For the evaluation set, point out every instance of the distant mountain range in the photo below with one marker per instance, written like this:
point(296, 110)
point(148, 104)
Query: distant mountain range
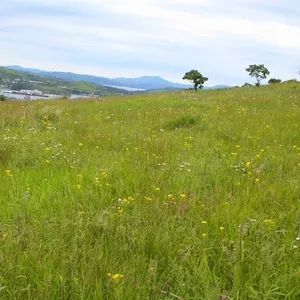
point(141, 83)
point(144, 82)
point(25, 80)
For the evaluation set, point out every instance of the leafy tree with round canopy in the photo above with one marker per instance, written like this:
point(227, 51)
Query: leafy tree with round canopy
point(260, 72)
point(196, 78)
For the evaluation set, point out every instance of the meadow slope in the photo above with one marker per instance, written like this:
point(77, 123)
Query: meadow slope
point(168, 196)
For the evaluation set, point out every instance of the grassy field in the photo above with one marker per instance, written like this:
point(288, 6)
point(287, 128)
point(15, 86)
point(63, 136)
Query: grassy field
point(168, 196)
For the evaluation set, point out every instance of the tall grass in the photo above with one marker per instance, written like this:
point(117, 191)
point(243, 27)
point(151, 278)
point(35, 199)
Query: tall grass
point(166, 196)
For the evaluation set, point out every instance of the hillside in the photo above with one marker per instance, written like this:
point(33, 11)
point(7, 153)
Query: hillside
point(190, 194)
point(144, 82)
point(18, 80)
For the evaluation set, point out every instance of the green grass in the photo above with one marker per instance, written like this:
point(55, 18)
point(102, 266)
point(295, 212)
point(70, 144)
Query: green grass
point(164, 196)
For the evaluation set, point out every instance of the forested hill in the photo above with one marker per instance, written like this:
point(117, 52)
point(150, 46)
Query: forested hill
point(17, 80)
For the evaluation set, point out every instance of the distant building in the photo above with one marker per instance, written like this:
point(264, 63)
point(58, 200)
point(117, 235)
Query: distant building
point(36, 82)
point(32, 92)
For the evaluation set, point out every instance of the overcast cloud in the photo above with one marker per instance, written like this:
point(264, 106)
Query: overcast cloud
point(132, 38)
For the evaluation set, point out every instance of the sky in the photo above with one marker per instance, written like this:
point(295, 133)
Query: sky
point(132, 38)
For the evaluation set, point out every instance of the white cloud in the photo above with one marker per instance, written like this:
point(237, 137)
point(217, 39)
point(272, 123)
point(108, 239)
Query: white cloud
point(160, 37)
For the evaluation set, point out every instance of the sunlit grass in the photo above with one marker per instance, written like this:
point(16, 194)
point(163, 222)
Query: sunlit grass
point(176, 195)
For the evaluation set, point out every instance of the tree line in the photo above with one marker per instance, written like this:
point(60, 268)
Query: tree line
point(259, 72)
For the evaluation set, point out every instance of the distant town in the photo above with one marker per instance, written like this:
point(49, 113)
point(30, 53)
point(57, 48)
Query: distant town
point(36, 94)
point(26, 94)
point(23, 85)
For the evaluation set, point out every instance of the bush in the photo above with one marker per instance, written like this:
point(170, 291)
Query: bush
point(291, 81)
point(2, 98)
point(247, 84)
point(274, 81)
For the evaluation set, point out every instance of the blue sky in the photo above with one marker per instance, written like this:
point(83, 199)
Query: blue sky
point(131, 38)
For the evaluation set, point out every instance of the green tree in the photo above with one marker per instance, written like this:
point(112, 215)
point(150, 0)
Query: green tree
point(196, 78)
point(274, 80)
point(16, 86)
point(2, 98)
point(260, 72)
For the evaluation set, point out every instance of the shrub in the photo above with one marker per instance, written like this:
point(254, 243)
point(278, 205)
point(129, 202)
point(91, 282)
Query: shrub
point(247, 84)
point(291, 81)
point(274, 80)
point(2, 98)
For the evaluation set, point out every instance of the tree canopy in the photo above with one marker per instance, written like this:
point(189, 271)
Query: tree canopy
point(260, 72)
point(274, 80)
point(196, 78)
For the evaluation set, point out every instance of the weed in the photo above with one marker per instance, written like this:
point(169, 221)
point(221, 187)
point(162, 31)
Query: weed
point(182, 122)
point(105, 199)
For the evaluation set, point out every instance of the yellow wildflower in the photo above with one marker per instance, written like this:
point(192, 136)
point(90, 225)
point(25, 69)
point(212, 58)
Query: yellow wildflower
point(8, 172)
point(269, 222)
point(115, 277)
